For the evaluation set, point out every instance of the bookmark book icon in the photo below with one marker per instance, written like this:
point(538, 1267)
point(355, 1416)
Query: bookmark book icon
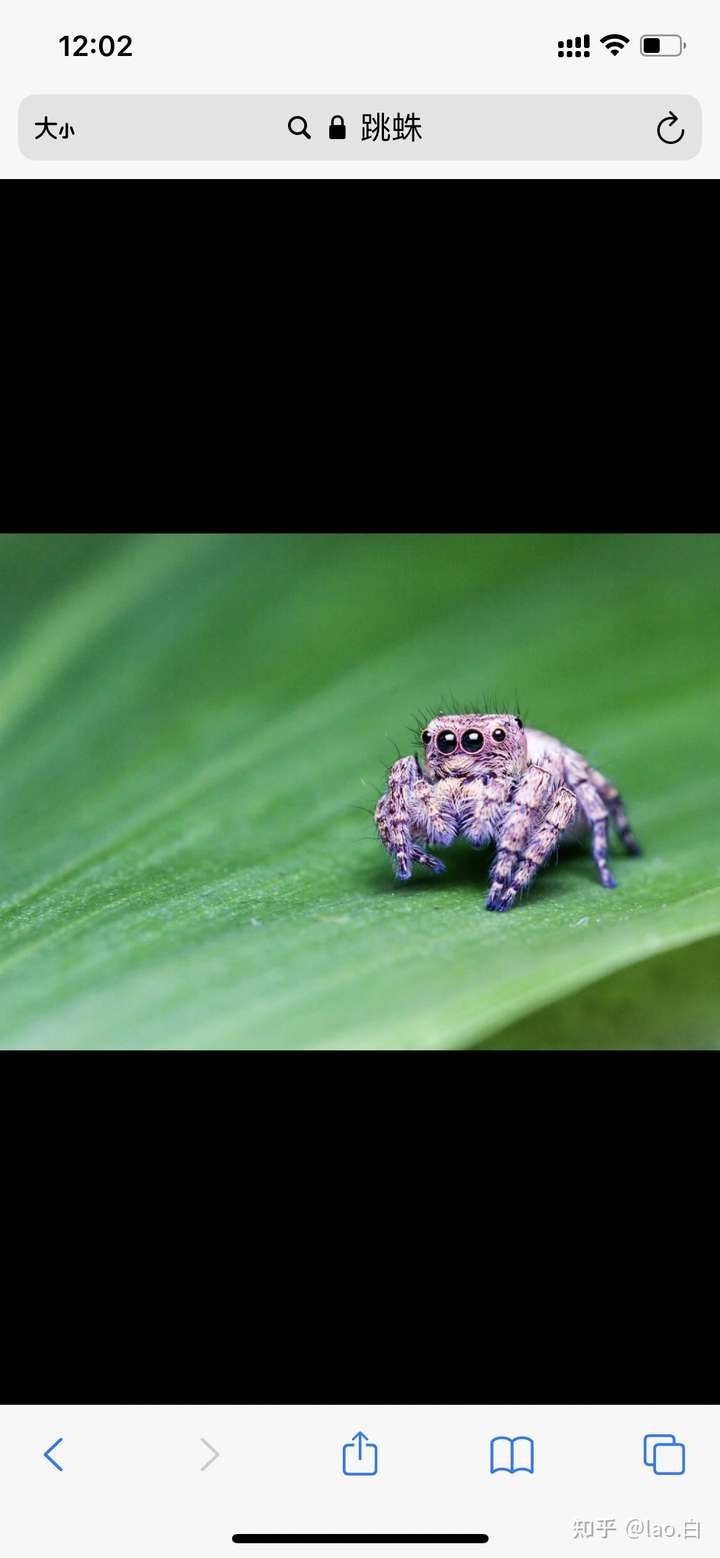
point(512, 1454)
point(360, 1457)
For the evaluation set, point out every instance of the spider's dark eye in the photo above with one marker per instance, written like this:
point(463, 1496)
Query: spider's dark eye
point(472, 741)
point(519, 723)
point(446, 741)
point(426, 738)
point(499, 734)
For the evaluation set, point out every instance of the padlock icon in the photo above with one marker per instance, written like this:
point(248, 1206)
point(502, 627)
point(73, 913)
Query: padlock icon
point(337, 131)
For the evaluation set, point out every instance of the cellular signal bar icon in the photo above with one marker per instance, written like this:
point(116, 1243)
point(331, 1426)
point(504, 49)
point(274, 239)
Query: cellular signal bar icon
point(574, 48)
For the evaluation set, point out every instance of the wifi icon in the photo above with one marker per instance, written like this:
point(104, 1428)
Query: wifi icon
point(614, 42)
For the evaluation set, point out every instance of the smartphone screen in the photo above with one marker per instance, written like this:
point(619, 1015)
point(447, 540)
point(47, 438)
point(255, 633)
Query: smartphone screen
point(378, 89)
point(359, 1481)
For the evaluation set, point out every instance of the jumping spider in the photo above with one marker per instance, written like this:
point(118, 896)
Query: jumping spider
point(484, 777)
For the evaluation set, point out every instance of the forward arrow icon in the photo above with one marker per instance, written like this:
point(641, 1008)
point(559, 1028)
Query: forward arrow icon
point(213, 1457)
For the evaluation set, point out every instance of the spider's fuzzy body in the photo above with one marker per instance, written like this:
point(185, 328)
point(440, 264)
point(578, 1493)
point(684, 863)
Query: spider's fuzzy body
point(483, 777)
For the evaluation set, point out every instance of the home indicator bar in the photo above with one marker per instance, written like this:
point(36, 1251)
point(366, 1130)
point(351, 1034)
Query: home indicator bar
point(365, 1536)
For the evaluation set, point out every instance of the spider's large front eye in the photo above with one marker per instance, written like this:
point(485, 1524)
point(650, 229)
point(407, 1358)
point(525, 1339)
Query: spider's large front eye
point(499, 734)
point(446, 741)
point(472, 741)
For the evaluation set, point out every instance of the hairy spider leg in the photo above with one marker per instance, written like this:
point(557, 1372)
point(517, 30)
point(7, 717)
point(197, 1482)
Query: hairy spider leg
point(615, 806)
point(597, 815)
point(539, 813)
point(396, 816)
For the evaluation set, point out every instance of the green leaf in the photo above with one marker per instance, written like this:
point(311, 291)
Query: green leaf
point(670, 1001)
point(194, 730)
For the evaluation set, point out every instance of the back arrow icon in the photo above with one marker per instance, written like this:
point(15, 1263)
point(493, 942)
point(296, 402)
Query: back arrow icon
point(669, 140)
point(47, 1454)
point(213, 1457)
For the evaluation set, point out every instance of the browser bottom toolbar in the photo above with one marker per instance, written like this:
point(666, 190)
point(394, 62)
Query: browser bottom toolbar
point(517, 1479)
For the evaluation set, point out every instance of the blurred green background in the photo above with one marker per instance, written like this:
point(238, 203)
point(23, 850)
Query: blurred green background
point(193, 733)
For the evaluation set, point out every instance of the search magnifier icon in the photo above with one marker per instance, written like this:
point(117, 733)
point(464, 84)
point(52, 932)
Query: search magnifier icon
point(298, 125)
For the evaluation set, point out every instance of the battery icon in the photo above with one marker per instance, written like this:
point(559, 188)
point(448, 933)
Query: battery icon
point(661, 45)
